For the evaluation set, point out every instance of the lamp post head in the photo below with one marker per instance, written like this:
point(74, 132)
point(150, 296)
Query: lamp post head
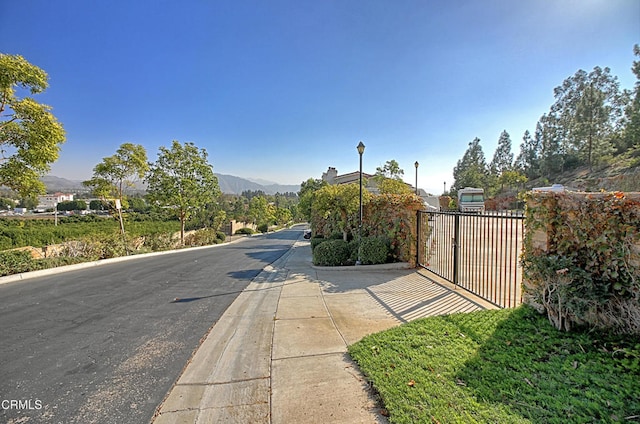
point(360, 148)
point(417, 164)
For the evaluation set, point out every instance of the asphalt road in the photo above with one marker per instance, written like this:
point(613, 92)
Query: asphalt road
point(105, 344)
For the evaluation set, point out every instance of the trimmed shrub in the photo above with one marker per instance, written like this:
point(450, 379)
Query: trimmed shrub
point(245, 230)
point(315, 241)
point(221, 236)
point(374, 250)
point(263, 228)
point(332, 253)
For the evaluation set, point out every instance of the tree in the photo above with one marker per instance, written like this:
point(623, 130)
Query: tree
point(388, 178)
point(548, 134)
point(97, 205)
point(342, 200)
point(502, 162)
point(260, 211)
point(471, 170)
point(502, 158)
point(306, 194)
point(528, 160)
point(587, 110)
point(181, 179)
point(30, 136)
point(391, 169)
point(393, 186)
point(283, 216)
point(6, 204)
point(511, 178)
point(118, 172)
point(72, 205)
point(632, 111)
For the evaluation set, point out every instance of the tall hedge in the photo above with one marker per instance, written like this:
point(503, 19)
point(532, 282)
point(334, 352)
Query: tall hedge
point(390, 216)
point(582, 259)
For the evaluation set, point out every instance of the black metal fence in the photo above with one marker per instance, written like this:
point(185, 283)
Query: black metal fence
point(478, 252)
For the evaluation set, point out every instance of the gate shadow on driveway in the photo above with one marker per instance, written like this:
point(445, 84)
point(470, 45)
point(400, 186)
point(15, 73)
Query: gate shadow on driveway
point(405, 294)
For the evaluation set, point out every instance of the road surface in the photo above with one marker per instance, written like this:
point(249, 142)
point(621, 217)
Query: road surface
point(105, 344)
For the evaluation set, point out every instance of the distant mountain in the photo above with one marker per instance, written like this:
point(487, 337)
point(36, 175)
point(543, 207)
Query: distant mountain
point(228, 184)
point(236, 185)
point(54, 184)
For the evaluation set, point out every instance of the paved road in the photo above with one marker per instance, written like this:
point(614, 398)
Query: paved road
point(105, 344)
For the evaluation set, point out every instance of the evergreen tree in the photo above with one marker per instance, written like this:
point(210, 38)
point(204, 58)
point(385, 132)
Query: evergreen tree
point(528, 160)
point(632, 112)
point(502, 158)
point(471, 170)
point(548, 134)
point(588, 110)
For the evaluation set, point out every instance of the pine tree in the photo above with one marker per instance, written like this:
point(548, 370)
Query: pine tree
point(528, 160)
point(587, 111)
point(502, 158)
point(471, 170)
point(632, 111)
point(549, 135)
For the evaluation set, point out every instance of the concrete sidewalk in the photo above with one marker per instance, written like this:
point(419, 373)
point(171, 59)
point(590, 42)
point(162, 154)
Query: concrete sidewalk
point(278, 354)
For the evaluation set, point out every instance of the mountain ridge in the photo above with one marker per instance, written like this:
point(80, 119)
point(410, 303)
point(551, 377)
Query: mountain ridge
point(229, 184)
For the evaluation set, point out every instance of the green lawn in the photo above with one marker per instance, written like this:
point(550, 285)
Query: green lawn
point(501, 366)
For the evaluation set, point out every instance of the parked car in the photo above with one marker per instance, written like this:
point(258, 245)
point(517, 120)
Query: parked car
point(307, 234)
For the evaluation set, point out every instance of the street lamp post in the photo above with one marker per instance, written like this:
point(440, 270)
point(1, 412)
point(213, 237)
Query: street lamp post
point(417, 165)
point(360, 152)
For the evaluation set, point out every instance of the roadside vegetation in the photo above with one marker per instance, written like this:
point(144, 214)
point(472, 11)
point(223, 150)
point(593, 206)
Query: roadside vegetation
point(501, 366)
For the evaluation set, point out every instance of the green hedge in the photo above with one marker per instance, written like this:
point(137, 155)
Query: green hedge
point(374, 250)
point(245, 230)
point(315, 241)
point(332, 253)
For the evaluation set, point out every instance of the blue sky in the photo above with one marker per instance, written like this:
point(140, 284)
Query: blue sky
point(282, 89)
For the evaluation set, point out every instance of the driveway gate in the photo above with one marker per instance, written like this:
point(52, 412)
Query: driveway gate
point(478, 252)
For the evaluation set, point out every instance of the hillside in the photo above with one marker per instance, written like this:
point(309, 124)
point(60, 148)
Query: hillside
point(235, 185)
point(621, 175)
point(228, 184)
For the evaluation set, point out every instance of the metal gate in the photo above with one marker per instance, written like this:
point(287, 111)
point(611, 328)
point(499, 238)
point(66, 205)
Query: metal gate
point(477, 252)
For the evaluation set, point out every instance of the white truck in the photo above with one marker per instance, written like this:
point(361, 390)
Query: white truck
point(471, 199)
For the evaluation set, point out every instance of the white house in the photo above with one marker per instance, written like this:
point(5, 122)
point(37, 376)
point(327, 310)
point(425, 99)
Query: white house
point(49, 201)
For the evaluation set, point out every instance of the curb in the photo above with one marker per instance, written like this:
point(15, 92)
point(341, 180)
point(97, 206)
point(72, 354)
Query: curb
point(379, 267)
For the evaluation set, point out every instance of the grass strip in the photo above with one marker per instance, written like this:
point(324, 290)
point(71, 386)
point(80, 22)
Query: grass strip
point(501, 366)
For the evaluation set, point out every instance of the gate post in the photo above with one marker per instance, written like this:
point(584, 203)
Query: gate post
point(418, 219)
point(456, 249)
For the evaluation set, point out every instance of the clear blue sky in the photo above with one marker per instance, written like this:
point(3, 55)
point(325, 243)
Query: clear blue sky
point(283, 89)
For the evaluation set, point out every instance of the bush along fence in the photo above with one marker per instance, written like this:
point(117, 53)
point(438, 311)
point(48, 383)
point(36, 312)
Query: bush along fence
point(581, 259)
point(388, 232)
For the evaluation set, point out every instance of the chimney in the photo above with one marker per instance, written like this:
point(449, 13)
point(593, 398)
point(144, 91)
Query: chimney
point(330, 175)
